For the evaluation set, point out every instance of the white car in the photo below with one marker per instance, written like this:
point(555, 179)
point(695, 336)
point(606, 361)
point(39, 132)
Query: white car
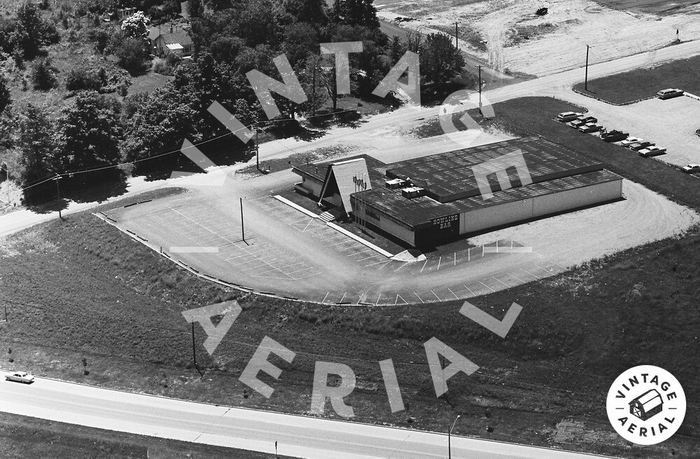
point(690, 168)
point(20, 376)
point(652, 151)
point(629, 141)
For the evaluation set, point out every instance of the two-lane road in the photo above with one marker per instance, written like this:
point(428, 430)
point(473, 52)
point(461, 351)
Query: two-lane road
point(240, 428)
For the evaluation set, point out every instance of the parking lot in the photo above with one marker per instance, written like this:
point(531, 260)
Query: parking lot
point(670, 124)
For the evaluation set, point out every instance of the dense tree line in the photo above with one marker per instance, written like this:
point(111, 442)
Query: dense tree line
point(230, 38)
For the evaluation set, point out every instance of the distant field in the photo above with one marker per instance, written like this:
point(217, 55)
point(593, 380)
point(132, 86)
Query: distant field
point(648, 6)
point(628, 87)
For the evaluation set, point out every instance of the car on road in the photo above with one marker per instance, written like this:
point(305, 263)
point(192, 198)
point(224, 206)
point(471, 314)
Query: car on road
point(20, 376)
point(565, 117)
point(669, 93)
point(691, 168)
point(590, 128)
point(640, 145)
point(614, 136)
point(652, 151)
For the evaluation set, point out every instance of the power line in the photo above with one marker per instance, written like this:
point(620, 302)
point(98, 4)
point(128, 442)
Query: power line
point(160, 155)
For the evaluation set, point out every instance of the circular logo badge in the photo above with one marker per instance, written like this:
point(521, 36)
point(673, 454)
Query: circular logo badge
point(646, 405)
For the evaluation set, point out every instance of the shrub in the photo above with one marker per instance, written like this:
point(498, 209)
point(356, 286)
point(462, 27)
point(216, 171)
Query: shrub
point(85, 79)
point(43, 75)
point(132, 56)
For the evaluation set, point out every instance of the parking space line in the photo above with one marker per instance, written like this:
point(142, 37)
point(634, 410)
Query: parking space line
point(450, 290)
point(439, 261)
point(469, 290)
point(499, 280)
point(529, 273)
point(455, 259)
point(426, 262)
point(486, 286)
point(439, 299)
point(324, 298)
point(343, 297)
point(421, 299)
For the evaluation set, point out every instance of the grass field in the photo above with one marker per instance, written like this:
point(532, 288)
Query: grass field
point(628, 87)
point(83, 290)
point(22, 437)
point(660, 7)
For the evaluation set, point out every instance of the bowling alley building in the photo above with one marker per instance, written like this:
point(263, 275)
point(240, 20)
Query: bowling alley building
point(435, 199)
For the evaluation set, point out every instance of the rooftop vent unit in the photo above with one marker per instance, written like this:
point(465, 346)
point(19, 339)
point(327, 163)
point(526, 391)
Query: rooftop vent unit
point(413, 192)
point(395, 184)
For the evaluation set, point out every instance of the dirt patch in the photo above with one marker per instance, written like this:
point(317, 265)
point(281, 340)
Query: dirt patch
point(562, 44)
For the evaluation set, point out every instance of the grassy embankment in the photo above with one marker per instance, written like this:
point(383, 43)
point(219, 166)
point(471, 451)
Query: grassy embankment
point(22, 437)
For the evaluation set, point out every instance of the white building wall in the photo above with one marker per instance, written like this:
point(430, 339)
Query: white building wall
point(574, 199)
point(504, 214)
point(489, 217)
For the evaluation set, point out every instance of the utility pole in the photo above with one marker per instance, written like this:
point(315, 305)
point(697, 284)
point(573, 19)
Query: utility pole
point(449, 435)
point(313, 87)
point(457, 36)
point(194, 354)
point(257, 149)
point(57, 179)
point(194, 347)
point(480, 85)
point(242, 224)
point(585, 84)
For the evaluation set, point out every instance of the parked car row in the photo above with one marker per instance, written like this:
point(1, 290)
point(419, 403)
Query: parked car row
point(589, 125)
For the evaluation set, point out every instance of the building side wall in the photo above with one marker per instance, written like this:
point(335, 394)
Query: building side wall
point(505, 214)
point(489, 217)
point(383, 222)
point(314, 186)
point(574, 199)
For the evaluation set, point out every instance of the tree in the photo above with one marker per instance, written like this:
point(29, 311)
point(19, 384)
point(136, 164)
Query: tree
point(195, 8)
point(311, 11)
point(440, 61)
point(132, 56)
point(5, 98)
point(136, 26)
point(35, 145)
point(300, 41)
point(43, 75)
point(92, 131)
point(31, 32)
point(314, 81)
point(100, 38)
point(358, 12)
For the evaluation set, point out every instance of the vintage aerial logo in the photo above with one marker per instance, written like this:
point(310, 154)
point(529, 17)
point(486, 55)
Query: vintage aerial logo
point(646, 405)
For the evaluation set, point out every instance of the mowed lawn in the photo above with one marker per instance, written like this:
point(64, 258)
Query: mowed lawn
point(81, 289)
point(629, 87)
